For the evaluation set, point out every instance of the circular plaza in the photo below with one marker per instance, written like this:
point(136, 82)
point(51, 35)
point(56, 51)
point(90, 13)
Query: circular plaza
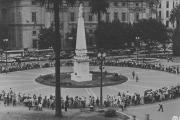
point(24, 82)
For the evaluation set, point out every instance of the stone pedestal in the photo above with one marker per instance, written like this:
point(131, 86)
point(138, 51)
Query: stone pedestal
point(80, 78)
point(81, 69)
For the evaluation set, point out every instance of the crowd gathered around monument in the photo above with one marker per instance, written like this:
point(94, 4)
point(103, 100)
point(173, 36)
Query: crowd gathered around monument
point(25, 66)
point(121, 100)
point(15, 66)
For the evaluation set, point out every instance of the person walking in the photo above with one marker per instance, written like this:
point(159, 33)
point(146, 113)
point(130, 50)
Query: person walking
point(133, 74)
point(161, 107)
point(66, 105)
point(137, 78)
point(97, 102)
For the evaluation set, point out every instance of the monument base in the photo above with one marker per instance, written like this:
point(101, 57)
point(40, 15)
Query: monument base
point(81, 78)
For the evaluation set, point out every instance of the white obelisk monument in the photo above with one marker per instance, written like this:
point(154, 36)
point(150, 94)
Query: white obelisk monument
point(81, 60)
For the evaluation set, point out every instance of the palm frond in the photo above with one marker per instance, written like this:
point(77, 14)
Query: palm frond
point(175, 14)
point(98, 6)
point(49, 3)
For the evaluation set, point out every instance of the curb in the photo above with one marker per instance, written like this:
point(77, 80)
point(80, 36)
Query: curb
point(130, 116)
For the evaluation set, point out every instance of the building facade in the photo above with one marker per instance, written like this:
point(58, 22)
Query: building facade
point(26, 17)
point(164, 11)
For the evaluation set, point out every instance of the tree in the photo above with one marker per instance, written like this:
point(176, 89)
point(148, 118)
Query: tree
point(175, 18)
point(152, 4)
point(152, 32)
point(3, 33)
point(98, 7)
point(71, 38)
point(46, 38)
point(118, 34)
point(55, 6)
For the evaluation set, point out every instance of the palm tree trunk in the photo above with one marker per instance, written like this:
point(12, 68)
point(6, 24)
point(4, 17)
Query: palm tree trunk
point(57, 59)
point(99, 17)
point(99, 20)
point(176, 40)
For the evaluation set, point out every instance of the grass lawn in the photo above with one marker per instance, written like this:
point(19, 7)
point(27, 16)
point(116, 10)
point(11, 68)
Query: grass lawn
point(108, 80)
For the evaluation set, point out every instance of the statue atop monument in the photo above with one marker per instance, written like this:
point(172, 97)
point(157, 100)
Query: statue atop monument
point(81, 11)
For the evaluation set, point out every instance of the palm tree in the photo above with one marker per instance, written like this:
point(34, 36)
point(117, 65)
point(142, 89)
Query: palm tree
point(55, 6)
point(98, 7)
point(152, 4)
point(175, 18)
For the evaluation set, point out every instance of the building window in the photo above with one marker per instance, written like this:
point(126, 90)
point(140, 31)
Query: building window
point(35, 43)
point(33, 2)
point(3, 11)
point(123, 4)
point(115, 4)
point(137, 4)
point(137, 16)
point(167, 4)
point(115, 16)
point(72, 16)
point(123, 16)
point(33, 33)
point(167, 23)
point(90, 31)
point(159, 14)
point(167, 14)
point(90, 18)
point(160, 5)
point(33, 16)
point(89, 3)
point(107, 17)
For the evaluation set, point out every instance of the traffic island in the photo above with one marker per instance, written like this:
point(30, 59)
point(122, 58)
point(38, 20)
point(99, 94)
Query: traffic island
point(108, 79)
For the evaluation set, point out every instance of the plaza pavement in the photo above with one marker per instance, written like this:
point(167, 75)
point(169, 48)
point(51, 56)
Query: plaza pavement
point(23, 81)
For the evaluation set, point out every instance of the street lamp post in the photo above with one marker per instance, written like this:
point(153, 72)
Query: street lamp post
point(137, 43)
point(101, 57)
point(5, 42)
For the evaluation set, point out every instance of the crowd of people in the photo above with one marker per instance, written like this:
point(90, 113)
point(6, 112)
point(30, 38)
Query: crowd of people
point(15, 66)
point(137, 64)
point(25, 66)
point(134, 63)
point(38, 102)
point(122, 100)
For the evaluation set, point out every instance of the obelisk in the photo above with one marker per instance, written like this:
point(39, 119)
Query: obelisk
point(81, 60)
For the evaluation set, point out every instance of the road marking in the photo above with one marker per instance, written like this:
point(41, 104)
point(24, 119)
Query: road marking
point(38, 88)
point(116, 89)
point(87, 91)
point(90, 92)
point(141, 86)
